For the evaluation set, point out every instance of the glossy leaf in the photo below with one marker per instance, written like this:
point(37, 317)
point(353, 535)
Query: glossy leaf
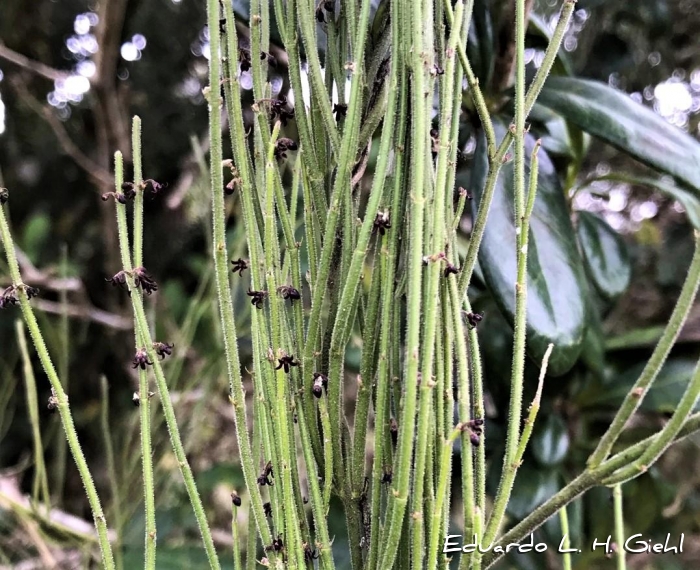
point(533, 486)
point(550, 442)
point(556, 307)
point(481, 42)
point(615, 118)
point(605, 254)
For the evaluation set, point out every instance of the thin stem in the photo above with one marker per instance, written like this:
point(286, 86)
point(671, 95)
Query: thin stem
point(419, 150)
point(564, 518)
point(634, 397)
point(522, 225)
point(168, 412)
point(473, 82)
point(59, 394)
point(534, 408)
point(144, 389)
point(111, 466)
point(432, 290)
point(237, 394)
point(138, 200)
point(586, 480)
point(665, 438)
point(496, 160)
point(619, 527)
point(318, 91)
point(41, 483)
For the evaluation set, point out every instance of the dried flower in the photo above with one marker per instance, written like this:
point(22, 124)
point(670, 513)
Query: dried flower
point(382, 222)
point(340, 110)
point(163, 349)
point(271, 59)
point(309, 554)
point(282, 145)
point(287, 361)
point(265, 475)
point(394, 430)
point(267, 509)
point(4, 196)
point(466, 193)
point(289, 292)
point(129, 190)
point(239, 265)
point(474, 319)
point(277, 544)
point(118, 197)
point(257, 298)
point(320, 384)
point(9, 297)
point(153, 186)
point(388, 476)
point(451, 269)
point(141, 360)
point(279, 108)
point(53, 401)
point(118, 279)
point(144, 280)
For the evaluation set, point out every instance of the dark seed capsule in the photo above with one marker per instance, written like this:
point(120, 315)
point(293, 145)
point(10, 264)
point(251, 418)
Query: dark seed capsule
point(475, 440)
point(236, 499)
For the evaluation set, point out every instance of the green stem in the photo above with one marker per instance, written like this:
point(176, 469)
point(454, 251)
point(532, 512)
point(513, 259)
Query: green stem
point(665, 438)
point(144, 388)
point(419, 151)
point(138, 200)
point(168, 411)
point(496, 160)
point(522, 223)
point(59, 394)
point(111, 467)
point(238, 140)
point(437, 245)
point(634, 397)
point(564, 518)
point(619, 527)
point(41, 483)
point(307, 25)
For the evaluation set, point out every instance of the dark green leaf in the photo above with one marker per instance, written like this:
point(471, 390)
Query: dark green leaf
point(593, 353)
point(556, 306)
point(481, 42)
point(550, 442)
point(612, 116)
point(605, 254)
point(533, 486)
point(664, 395)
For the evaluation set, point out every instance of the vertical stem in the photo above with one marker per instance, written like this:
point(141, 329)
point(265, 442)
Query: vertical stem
point(563, 516)
point(63, 374)
point(168, 411)
point(60, 395)
point(111, 467)
point(419, 151)
point(41, 483)
point(139, 341)
point(138, 200)
point(619, 527)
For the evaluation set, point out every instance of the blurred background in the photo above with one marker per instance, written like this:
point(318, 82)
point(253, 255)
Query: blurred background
point(73, 73)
